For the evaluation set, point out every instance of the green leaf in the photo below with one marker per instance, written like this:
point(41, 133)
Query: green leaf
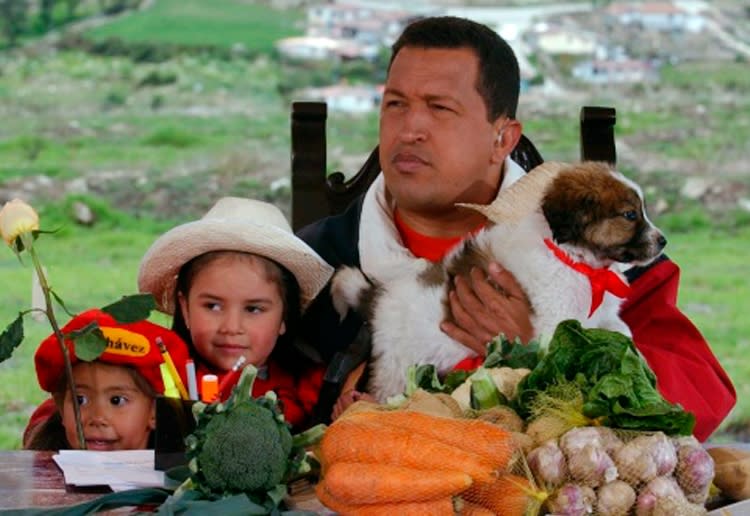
point(131, 309)
point(61, 303)
point(89, 344)
point(514, 354)
point(11, 338)
point(17, 245)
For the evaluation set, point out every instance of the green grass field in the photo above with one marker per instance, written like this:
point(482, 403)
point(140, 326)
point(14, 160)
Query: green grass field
point(222, 23)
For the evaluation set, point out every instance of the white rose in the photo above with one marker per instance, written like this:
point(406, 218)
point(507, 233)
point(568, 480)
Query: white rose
point(17, 218)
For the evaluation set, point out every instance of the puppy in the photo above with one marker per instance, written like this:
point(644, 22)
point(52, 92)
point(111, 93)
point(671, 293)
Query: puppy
point(562, 230)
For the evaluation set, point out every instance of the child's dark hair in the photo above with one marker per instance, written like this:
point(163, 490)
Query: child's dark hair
point(283, 352)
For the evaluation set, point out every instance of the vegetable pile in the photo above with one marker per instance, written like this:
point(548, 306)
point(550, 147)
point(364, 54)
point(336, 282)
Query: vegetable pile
point(594, 434)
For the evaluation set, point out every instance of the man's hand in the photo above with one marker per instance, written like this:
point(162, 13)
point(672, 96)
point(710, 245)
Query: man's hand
point(347, 399)
point(485, 305)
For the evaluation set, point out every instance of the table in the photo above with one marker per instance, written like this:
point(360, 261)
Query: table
point(32, 479)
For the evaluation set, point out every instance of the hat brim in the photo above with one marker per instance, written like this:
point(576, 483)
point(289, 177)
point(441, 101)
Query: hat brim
point(162, 262)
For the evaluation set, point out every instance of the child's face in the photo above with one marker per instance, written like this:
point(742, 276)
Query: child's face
point(233, 309)
point(115, 413)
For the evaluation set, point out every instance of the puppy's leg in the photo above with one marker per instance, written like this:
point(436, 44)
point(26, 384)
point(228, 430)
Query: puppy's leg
point(607, 317)
point(349, 288)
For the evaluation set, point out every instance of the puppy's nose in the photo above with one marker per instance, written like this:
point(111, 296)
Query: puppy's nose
point(661, 241)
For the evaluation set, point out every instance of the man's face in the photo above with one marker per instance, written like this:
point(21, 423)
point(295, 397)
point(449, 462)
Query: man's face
point(436, 145)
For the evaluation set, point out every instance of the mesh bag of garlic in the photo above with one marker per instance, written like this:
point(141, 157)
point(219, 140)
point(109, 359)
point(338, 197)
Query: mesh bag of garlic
point(598, 470)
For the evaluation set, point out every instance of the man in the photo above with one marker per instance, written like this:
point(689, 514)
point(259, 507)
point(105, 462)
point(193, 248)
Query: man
point(447, 128)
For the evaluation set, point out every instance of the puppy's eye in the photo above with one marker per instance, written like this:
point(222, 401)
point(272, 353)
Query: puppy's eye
point(630, 215)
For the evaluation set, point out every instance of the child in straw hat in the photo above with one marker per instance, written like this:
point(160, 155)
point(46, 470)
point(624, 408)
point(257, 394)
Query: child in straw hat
point(116, 391)
point(236, 282)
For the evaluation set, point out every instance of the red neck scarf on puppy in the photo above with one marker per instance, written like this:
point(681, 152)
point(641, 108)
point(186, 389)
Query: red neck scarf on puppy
point(602, 279)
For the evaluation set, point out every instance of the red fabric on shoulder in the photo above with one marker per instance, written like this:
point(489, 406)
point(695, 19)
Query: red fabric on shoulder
point(686, 369)
point(42, 413)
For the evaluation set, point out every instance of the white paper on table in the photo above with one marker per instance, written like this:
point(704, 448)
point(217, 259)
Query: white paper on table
point(126, 469)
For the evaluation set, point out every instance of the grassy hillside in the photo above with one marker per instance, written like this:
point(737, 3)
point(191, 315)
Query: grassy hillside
point(223, 23)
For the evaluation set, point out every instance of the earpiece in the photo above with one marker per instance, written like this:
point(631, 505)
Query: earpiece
point(500, 134)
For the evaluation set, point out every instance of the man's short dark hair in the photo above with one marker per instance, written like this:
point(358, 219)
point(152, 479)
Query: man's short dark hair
point(499, 78)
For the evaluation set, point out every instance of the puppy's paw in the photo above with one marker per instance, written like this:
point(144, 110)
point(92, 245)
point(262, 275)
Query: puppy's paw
point(348, 287)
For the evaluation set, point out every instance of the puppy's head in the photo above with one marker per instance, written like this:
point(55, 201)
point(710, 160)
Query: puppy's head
point(599, 215)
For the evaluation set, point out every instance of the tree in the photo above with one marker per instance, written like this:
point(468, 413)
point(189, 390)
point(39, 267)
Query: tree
point(45, 14)
point(13, 14)
point(71, 5)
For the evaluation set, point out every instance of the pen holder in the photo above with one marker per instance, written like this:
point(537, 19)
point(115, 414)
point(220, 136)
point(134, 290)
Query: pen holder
point(174, 422)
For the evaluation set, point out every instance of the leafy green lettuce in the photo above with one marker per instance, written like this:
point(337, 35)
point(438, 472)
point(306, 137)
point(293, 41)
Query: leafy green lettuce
point(618, 386)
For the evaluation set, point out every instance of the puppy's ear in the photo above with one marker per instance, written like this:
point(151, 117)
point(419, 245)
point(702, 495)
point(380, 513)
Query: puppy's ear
point(568, 207)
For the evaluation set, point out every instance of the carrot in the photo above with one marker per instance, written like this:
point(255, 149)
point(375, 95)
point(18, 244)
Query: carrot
point(437, 507)
point(356, 482)
point(466, 508)
point(507, 495)
point(474, 435)
point(353, 441)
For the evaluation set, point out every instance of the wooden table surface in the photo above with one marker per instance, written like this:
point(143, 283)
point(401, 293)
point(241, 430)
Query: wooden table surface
point(32, 479)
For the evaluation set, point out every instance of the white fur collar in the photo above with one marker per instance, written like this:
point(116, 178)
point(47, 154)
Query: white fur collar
point(381, 251)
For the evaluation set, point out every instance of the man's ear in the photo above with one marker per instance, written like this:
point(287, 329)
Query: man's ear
point(508, 131)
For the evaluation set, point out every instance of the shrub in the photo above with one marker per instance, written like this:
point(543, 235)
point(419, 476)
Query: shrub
point(171, 137)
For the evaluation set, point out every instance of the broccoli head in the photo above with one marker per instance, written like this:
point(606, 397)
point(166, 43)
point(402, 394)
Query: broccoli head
point(265, 443)
point(241, 446)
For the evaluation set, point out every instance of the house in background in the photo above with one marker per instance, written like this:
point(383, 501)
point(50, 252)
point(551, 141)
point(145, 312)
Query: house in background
point(345, 98)
point(557, 40)
point(660, 16)
point(618, 71)
point(362, 23)
point(318, 48)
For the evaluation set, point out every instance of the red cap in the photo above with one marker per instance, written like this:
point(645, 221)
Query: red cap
point(132, 344)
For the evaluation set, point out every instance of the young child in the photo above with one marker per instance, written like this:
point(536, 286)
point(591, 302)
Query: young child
point(116, 391)
point(236, 282)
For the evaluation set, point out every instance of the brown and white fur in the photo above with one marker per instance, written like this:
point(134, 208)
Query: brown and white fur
point(592, 212)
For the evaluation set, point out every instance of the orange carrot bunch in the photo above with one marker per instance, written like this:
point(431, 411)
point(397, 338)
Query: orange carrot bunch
point(507, 495)
point(404, 462)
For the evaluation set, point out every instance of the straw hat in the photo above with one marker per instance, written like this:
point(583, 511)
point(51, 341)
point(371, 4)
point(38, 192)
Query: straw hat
point(232, 224)
point(522, 197)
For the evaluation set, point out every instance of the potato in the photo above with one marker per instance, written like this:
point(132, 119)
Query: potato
point(544, 428)
point(502, 416)
point(731, 471)
point(431, 403)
